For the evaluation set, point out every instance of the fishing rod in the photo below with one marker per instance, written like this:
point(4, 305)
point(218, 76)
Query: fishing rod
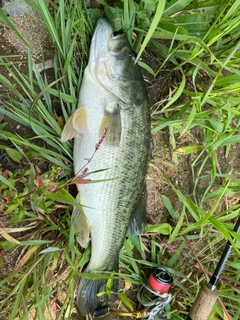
point(208, 294)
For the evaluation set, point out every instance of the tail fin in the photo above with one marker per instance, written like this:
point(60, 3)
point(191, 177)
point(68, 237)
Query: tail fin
point(87, 300)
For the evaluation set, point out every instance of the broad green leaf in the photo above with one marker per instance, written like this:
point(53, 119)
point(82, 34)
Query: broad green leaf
point(228, 140)
point(3, 124)
point(6, 182)
point(192, 22)
point(235, 265)
point(115, 16)
point(189, 149)
point(64, 96)
point(175, 6)
point(62, 196)
point(166, 30)
point(126, 301)
point(11, 208)
point(217, 125)
point(225, 81)
point(31, 154)
point(18, 215)
point(50, 249)
point(109, 285)
point(14, 154)
point(149, 6)
point(162, 228)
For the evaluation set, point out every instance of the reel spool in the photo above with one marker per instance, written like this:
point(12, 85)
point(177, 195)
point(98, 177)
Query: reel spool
point(154, 295)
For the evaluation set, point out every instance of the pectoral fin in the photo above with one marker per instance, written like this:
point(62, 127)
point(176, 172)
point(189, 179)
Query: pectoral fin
point(75, 125)
point(138, 217)
point(81, 226)
point(112, 122)
point(68, 130)
point(80, 120)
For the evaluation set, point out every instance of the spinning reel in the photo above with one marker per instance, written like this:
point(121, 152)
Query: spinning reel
point(153, 296)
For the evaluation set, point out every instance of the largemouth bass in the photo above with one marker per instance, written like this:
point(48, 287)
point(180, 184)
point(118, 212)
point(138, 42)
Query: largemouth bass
point(111, 131)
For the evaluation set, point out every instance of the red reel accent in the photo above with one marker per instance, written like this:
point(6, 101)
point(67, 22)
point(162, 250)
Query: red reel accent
point(160, 280)
point(158, 286)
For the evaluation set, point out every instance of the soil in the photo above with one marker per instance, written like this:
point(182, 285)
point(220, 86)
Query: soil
point(180, 174)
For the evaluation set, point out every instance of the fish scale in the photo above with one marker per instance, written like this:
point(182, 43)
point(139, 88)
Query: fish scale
point(112, 100)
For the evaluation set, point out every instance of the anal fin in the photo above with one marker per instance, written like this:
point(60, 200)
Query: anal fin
point(81, 225)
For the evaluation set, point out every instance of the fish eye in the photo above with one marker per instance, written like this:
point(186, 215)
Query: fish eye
point(133, 55)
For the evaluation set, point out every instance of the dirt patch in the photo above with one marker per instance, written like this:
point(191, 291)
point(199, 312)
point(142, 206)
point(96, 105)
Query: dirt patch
point(33, 30)
point(14, 52)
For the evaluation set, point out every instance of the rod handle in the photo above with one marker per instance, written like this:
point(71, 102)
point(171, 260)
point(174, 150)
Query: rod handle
point(203, 304)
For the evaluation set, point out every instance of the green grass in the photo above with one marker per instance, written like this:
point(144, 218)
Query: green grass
point(199, 41)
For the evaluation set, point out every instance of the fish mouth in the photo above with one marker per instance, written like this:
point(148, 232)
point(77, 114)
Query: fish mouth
point(104, 40)
point(110, 64)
